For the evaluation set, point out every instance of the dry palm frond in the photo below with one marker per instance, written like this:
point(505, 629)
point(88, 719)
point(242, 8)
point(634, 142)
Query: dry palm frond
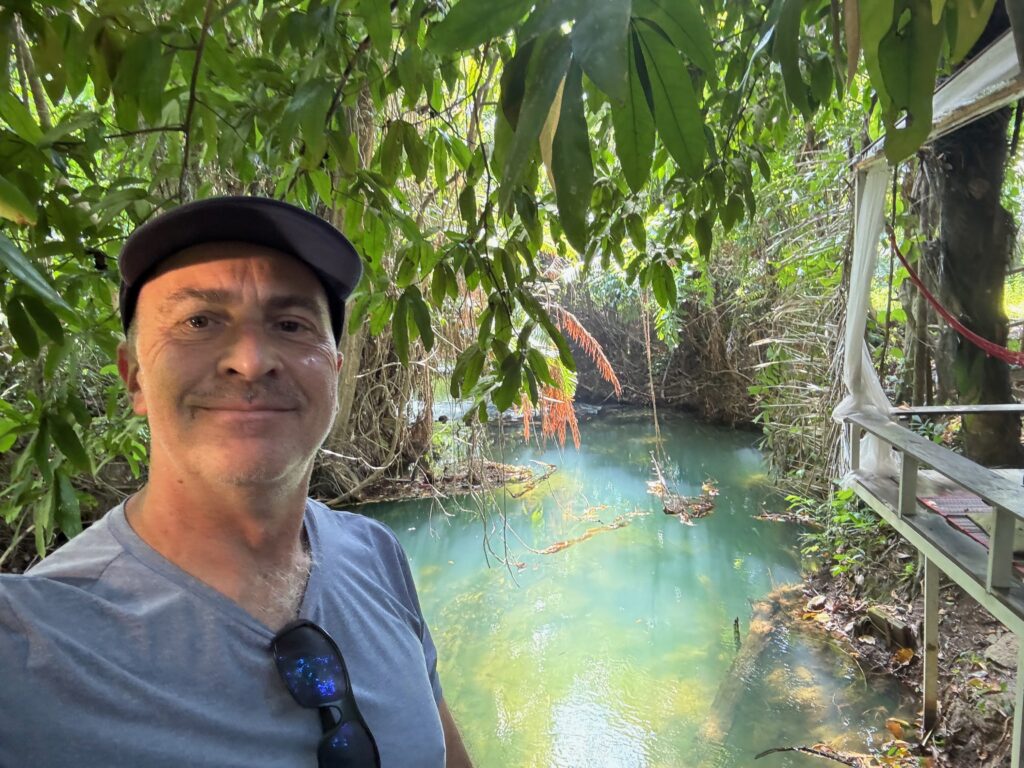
point(570, 325)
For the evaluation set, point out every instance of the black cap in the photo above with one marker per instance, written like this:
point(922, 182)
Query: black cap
point(256, 220)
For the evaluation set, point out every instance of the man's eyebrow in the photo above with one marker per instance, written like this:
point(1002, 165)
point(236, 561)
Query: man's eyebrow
point(209, 296)
point(221, 297)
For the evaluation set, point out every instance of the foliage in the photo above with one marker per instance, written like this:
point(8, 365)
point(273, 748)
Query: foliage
point(852, 534)
point(609, 116)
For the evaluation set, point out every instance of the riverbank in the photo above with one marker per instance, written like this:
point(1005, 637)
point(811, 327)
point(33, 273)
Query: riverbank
point(977, 657)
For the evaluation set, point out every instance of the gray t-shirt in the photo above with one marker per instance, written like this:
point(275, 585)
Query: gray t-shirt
point(110, 655)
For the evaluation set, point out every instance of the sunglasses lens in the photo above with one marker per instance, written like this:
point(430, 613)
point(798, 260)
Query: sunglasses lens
point(310, 667)
point(347, 746)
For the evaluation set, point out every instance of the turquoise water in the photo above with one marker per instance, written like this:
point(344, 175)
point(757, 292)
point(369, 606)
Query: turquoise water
point(610, 652)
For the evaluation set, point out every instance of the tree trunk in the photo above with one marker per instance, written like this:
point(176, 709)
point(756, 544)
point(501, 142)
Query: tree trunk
point(976, 238)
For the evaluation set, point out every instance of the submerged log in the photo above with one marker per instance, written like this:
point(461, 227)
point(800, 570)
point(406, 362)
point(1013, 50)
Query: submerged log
point(768, 615)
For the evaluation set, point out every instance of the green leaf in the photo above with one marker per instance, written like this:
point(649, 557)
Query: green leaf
point(14, 206)
point(66, 439)
point(599, 45)
point(377, 18)
point(633, 124)
point(787, 52)
point(473, 22)
point(322, 185)
point(400, 329)
point(547, 68)
point(391, 153)
point(421, 316)
point(440, 165)
point(467, 207)
point(44, 317)
point(684, 25)
point(69, 512)
point(536, 311)
point(676, 111)
point(540, 367)
point(21, 329)
point(571, 164)
point(907, 61)
point(663, 282)
point(18, 118)
point(417, 152)
point(969, 22)
point(637, 231)
point(42, 519)
point(474, 367)
point(702, 233)
point(511, 376)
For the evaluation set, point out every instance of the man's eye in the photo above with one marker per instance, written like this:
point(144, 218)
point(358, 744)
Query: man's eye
point(290, 326)
point(198, 322)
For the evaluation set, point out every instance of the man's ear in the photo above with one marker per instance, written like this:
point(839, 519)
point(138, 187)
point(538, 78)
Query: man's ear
point(341, 361)
point(128, 368)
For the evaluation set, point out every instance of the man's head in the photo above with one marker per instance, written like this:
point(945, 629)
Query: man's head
point(254, 220)
point(233, 358)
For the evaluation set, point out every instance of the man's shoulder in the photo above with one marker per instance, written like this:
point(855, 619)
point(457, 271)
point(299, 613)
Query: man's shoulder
point(84, 557)
point(337, 522)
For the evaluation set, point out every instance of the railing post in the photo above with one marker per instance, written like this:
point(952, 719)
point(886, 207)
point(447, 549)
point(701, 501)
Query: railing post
point(1016, 756)
point(930, 667)
point(908, 486)
point(856, 433)
point(1000, 550)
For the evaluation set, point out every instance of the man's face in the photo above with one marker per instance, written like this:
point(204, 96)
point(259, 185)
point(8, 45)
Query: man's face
point(234, 364)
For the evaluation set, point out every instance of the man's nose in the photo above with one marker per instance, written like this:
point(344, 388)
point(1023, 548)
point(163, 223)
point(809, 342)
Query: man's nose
point(249, 353)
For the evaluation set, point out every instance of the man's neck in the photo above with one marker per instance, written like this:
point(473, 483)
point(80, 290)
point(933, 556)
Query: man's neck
point(235, 539)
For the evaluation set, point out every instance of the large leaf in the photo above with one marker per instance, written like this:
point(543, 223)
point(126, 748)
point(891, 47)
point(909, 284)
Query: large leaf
point(599, 44)
point(421, 316)
point(571, 164)
point(21, 329)
point(548, 65)
point(473, 22)
point(681, 20)
point(633, 124)
point(969, 23)
point(377, 18)
point(65, 437)
point(676, 111)
point(14, 206)
point(787, 52)
point(907, 61)
point(18, 118)
point(18, 265)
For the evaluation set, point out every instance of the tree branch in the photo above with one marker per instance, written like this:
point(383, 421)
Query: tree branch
point(204, 32)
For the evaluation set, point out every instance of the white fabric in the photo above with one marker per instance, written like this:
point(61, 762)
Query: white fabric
point(864, 391)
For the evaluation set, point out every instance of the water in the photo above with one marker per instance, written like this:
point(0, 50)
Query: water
point(610, 651)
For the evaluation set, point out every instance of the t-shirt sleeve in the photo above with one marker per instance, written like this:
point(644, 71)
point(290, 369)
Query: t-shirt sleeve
point(429, 649)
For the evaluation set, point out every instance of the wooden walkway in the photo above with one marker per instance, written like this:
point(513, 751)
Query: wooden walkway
point(980, 561)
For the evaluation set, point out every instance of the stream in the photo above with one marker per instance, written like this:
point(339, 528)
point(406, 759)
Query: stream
point(609, 652)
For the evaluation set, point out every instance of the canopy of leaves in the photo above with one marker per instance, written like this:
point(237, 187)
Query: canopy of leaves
point(461, 148)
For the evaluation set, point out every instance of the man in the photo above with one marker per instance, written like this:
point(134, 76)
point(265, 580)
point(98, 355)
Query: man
point(164, 635)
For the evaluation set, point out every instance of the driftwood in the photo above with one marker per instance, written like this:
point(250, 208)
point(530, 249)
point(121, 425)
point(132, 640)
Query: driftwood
point(619, 522)
point(685, 507)
point(763, 623)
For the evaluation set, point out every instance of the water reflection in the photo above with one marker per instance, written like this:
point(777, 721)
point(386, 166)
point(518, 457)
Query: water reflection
point(610, 651)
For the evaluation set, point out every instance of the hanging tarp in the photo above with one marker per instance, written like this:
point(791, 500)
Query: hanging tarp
point(992, 80)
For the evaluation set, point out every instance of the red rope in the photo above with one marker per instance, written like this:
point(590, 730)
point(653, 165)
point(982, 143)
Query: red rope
point(985, 345)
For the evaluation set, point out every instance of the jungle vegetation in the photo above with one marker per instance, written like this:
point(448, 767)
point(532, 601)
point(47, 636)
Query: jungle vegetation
point(522, 177)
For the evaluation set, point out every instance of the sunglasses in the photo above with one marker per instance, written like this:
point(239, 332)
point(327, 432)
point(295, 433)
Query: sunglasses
point(313, 670)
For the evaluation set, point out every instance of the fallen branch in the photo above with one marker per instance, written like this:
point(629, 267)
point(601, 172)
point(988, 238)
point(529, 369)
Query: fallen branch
point(558, 546)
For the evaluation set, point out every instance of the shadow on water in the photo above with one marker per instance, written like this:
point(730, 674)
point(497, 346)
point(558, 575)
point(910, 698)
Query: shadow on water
point(610, 652)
